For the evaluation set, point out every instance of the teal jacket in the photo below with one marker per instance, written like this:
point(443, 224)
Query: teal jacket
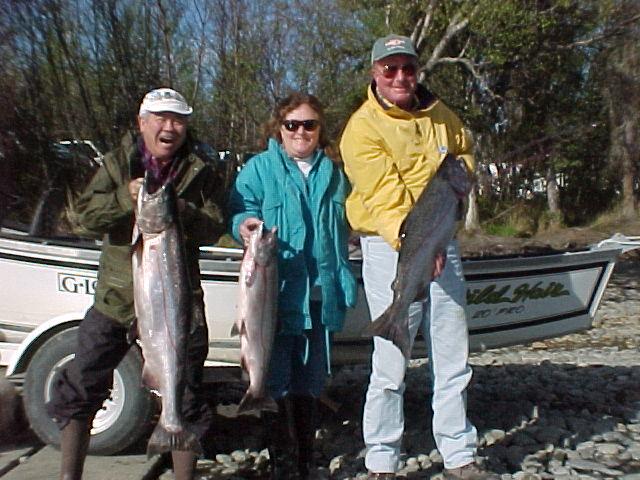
point(272, 188)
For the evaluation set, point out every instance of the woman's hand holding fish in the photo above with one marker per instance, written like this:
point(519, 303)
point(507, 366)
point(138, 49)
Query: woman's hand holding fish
point(247, 226)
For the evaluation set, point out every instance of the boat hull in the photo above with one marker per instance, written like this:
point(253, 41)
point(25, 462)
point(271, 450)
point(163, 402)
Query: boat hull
point(510, 301)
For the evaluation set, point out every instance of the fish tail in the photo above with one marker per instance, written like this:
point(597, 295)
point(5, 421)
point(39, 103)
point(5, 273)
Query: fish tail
point(387, 326)
point(162, 441)
point(252, 403)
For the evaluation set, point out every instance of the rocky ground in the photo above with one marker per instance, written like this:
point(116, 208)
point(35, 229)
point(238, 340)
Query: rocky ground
point(564, 408)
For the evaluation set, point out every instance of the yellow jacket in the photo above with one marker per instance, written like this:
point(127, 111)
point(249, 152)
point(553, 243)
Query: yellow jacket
point(390, 155)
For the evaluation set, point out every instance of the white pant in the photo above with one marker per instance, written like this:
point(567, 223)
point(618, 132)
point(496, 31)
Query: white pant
point(443, 322)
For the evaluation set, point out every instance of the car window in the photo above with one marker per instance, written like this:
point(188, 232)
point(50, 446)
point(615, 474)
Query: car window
point(40, 183)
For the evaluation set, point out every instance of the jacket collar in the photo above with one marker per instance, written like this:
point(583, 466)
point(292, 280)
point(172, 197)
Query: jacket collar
point(425, 99)
point(286, 165)
point(190, 159)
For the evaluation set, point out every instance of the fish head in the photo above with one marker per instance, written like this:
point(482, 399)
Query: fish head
point(266, 246)
point(455, 172)
point(156, 211)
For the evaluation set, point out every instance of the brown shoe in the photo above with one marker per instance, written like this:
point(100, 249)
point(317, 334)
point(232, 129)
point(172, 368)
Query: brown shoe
point(381, 475)
point(469, 472)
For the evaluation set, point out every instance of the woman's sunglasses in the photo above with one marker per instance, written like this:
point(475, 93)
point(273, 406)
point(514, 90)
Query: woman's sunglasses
point(293, 125)
point(408, 69)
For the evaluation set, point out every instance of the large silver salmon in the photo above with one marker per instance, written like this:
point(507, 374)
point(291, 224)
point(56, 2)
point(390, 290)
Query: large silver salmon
point(256, 316)
point(428, 229)
point(162, 297)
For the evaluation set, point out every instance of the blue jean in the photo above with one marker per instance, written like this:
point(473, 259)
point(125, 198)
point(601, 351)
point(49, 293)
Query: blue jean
point(299, 362)
point(442, 319)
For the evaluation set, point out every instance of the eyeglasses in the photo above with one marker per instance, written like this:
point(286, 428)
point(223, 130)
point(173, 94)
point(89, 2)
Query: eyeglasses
point(161, 118)
point(408, 69)
point(293, 125)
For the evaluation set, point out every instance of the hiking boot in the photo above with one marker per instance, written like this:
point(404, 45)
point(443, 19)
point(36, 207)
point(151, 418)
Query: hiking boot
point(282, 443)
point(380, 476)
point(469, 472)
point(74, 443)
point(304, 419)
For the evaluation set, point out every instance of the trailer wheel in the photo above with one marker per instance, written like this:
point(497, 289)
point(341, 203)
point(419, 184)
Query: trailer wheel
point(125, 416)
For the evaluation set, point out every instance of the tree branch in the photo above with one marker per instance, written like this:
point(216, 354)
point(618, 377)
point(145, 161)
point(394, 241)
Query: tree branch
point(423, 25)
point(612, 32)
point(162, 18)
point(471, 68)
point(455, 26)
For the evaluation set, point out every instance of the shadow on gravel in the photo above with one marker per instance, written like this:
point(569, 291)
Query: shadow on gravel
point(519, 411)
point(550, 404)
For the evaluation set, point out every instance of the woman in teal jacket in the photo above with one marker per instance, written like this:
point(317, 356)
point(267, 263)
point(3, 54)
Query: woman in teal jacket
point(294, 186)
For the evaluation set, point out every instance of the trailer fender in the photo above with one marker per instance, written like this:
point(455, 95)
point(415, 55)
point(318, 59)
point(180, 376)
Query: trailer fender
point(38, 336)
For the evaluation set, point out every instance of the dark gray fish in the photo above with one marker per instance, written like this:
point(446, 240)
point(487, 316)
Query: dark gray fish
point(162, 295)
point(256, 318)
point(429, 227)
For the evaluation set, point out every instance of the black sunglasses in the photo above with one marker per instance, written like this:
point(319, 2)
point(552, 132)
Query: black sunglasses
point(293, 125)
point(390, 71)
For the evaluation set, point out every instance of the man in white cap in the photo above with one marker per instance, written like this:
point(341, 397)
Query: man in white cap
point(391, 148)
point(163, 152)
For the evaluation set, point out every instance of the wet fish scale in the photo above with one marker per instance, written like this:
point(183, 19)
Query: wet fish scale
point(256, 319)
point(162, 297)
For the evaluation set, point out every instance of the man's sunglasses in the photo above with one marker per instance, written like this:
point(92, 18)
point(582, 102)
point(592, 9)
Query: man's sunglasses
point(293, 125)
point(408, 69)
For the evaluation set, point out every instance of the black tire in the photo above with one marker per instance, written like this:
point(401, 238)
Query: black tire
point(125, 416)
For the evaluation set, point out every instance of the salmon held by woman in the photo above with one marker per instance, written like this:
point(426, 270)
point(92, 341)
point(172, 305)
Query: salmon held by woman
point(256, 319)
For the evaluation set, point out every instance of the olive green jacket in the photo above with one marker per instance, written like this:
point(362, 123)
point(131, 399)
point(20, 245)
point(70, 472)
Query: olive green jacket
point(105, 210)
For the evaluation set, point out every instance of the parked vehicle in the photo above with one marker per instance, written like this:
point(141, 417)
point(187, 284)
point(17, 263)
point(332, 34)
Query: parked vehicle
point(47, 285)
point(79, 148)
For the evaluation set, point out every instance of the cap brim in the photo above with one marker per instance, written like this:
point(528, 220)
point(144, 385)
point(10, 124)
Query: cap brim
point(172, 107)
point(171, 110)
point(389, 54)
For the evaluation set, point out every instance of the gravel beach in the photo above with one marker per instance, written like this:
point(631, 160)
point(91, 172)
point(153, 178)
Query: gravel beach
point(564, 408)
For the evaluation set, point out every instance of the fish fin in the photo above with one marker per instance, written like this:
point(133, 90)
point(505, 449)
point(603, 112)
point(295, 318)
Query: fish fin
point(162, 441)
point(234, 330)
point(132, 332)
point(242, 330)
point(386, 326)
point(251, 403)
point(136, 239)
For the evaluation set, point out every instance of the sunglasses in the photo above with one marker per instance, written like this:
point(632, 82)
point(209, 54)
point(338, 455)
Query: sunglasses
point(408, 69)
point(293, 125)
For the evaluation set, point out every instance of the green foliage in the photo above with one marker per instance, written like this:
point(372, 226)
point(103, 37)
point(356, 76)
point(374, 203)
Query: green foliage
point(501, 230)
point(546, 86)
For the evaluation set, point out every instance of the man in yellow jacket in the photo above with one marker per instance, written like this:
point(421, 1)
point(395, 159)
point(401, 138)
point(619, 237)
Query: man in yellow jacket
point(392, 147)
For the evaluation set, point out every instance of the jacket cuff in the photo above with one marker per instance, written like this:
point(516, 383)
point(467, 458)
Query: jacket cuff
point(391, 234)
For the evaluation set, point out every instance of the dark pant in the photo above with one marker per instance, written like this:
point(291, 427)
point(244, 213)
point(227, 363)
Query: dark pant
point(299, 362)
point(84, 384)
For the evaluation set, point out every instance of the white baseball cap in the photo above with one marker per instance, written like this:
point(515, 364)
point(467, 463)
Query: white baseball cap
point(164, 100)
